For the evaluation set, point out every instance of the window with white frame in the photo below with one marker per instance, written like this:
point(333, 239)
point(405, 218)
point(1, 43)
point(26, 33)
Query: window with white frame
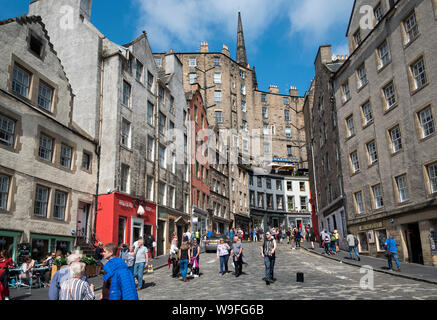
point(354, 162)
point(161, 156)
point(244, 125)
point(411, 28)
point(279, 202)
point(66, 156)
point(7, 131)
point(383, 54)
point(302, 186)
point(289, 186)
point(279, 185)
point(378, 13)
point(217, 77)
point(243, 89)
point(265, 113)
point(193, 77)
point(41, 201)
point(389, 95)
point(124, 178)
point(268, 183)
point(219, 117)
point(289, 150)
point(21, 81)
point(139, 71)
point(402, 187)
point(161, 193)
point(288, 132)
point(359, 202)
point(287, 115)
point(432, 176)
point(4, 191)
point(150, 187)
point(45, 96)
point(162, 121)
point(303, 203)
point(396, 139)
point(158, 62)
point(419, 74)
point(242, 74)
point(371, 150)
point(263, 97)
point(150, 147)
point(192, 62)
point(377, 196)
point(362, 76)
point(149, 80)
point(267, 149)
point(426, 121)
point(243, 106)
point(357, 38)
point(367, 113)
point(171, 197)
point(290, 202)
point(60, 205)
point(45, 150)
point(125, 133)
point(217, 96)
point(346, 91)
point(149, 113)
point(216, 61)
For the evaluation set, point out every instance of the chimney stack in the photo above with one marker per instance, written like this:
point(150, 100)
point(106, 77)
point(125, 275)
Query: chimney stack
point(225, 50)
point(293, 91)
point(273, 89)
point(204, 48)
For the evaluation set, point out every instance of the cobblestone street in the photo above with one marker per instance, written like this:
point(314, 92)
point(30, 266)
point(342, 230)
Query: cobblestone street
point(324, 279)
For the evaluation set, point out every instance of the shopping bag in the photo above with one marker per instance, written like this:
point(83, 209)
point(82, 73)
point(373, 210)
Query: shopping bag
point(150, 268)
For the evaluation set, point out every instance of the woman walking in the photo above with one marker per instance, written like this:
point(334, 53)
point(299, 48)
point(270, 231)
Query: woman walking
point(223, 254)
point(312, 237)
point(5, 264)
point(184, 257)
point(195, 251)
point(75, 288)
point(174, 257)
point(129, 258)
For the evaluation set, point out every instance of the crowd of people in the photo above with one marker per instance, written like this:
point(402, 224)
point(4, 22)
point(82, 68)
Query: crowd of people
point(123, 268)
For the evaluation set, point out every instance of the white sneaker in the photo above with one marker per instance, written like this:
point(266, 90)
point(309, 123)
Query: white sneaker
point(6, 298)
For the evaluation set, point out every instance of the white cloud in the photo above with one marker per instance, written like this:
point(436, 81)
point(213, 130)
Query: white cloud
point(176, 23)
point(315, 19)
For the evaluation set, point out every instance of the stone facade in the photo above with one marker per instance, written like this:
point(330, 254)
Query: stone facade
point(387, 121)
point(48, 166)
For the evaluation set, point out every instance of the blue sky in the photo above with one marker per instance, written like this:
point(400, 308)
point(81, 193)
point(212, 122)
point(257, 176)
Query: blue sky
point(282, 36)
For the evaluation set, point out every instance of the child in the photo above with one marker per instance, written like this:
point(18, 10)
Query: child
point(195, 251)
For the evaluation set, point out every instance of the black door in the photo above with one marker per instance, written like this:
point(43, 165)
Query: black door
point(415, 243)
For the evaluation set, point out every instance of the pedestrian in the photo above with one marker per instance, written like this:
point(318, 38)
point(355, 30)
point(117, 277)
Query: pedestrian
point(255, 237)
point(268, 250)
point(98, 255)
point(122, 253)
point(188, 234)
point(223, 254)
point(141, 260)
point(326, 241)
point(198, 237)
point(27, 269)
point(174, 257)
point(391, 252)
point(5, 264)
point(148, 243)
point(288, 234)
point(332, 246)
point(63, 275)
point(184, 258)
point(210, 233)
point(136, 242)
point(75, 288)
point(352, 242)
point(195, 252)
point(261, 234)
point(337, 241)
point(129, 258)
point(232, 233)
point(312, 237)
point(297, 238)
point(237, 256)
point(118, 279)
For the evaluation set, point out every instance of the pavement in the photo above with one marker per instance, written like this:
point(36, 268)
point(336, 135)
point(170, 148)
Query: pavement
point(412, 271)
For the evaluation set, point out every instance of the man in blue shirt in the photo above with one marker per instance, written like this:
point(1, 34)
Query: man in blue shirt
point(391, 247)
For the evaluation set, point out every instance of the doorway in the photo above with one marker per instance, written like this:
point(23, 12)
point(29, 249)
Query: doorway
point(82, 220)
point(161, 238)
point(415, 254)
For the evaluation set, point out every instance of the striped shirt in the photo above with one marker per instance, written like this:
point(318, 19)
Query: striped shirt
point(80, 290)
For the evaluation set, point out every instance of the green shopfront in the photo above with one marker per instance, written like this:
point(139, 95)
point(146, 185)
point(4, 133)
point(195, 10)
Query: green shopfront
point(41, 245)
point(9, 241)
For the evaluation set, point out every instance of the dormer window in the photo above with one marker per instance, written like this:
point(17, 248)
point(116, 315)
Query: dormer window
point(36, 45)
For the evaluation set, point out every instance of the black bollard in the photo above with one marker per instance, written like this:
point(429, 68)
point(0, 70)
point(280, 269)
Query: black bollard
point(299, 277)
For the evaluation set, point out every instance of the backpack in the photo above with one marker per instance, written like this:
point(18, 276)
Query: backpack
point(356, 241)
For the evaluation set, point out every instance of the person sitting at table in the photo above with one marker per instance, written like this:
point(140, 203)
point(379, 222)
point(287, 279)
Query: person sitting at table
point(27, 269)
point(47, 263)
point(5, 264)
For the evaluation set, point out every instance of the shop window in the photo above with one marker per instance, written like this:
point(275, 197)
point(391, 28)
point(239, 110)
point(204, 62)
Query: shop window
point(363, 243)
point(40, 247)
point(381, 236)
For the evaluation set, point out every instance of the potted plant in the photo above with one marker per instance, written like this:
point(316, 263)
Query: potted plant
point(57, 264)
point(91, 265)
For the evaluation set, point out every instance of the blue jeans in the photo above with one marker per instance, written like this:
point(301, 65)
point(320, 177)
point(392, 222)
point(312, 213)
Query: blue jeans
point(224, 263)
point(131, 269)
point(353, 249)
point(138, 273)
point(394, 255)
point(333, 247)
point(269, 262)
point(184, 267)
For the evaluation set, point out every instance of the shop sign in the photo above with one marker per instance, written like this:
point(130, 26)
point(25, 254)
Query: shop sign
point(195, 219)
point(126, 204)
point(370, 226)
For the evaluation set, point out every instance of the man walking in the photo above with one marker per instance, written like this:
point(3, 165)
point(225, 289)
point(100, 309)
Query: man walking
point(237, 256)
point(391, 247)
point(326, 241)
point(352, 242)
point(117, 275)
point(268, 250)
point(141, 259)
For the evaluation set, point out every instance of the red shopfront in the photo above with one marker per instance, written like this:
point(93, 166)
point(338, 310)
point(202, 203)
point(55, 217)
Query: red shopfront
point(121, 220)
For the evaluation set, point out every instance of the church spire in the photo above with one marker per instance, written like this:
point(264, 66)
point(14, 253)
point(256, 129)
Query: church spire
point(241, 47)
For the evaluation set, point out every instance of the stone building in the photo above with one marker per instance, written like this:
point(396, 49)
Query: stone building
point(48, 165)
point(133, 109)
point(323, 146)
point(385, 95)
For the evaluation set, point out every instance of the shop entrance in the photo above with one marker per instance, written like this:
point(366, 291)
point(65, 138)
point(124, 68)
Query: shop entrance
point(161, 239)
point(414, 243)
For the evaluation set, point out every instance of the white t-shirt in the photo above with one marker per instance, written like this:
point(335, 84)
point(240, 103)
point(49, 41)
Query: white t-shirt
point(188, 234)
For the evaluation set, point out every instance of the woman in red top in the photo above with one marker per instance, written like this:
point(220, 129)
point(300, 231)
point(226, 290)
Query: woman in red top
point(5, 262)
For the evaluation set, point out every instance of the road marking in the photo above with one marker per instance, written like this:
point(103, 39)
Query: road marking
point(211, 261)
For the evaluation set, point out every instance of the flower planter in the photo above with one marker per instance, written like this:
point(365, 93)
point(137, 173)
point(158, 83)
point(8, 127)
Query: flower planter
point(54, 270)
